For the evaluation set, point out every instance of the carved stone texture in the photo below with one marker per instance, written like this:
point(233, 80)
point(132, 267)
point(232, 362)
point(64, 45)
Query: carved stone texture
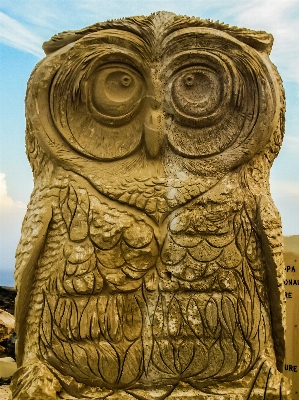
point(150, 264)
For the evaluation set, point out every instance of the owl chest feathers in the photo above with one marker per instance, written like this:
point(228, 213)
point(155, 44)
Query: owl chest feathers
point(201, 246)
point(121, 291)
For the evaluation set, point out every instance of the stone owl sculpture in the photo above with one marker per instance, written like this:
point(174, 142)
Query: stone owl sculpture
point(150, 264)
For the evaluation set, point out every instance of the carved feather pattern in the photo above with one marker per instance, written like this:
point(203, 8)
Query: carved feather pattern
point(157, 196)
point(93, 304)
point(119, 308)
point(30, 274)
point(212, 269)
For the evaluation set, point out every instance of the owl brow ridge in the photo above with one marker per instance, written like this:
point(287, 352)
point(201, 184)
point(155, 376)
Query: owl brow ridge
point(153, 28)
point(116, 37)
point(140, 26)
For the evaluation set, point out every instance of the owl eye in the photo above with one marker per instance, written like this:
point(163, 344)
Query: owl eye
point(115, 93)
point(195, 94)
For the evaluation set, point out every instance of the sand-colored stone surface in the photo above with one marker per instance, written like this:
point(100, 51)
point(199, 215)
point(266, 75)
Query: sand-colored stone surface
point(8, 367)
point(5, 393)
point(7, 325)
point(151, 264)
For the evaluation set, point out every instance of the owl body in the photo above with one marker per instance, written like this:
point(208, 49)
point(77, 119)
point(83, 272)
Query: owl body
point(154, 255)
point(129, 304)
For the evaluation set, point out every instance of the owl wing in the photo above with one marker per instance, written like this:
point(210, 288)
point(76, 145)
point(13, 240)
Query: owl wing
point(271, 234)
point(34, 232)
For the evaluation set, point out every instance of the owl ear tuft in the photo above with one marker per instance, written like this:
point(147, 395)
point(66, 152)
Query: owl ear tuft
point(60, 40)
point(259, 40)
point(132, 24)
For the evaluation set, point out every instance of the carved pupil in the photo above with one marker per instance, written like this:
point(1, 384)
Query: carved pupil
point(189, 80)
point(126, 80)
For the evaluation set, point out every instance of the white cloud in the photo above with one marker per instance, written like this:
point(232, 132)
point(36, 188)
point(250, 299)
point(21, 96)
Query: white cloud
point(281, 19)
point(285, 189)
point(286, 198)
point(260, 10)
point(291, 144)
point(11, 217)
point(14, 34)
point(5, 200)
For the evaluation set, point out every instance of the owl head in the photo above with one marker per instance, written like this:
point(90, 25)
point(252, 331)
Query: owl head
point(162, 100)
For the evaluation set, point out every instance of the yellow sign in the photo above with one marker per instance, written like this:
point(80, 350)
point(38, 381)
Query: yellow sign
point(291, 366)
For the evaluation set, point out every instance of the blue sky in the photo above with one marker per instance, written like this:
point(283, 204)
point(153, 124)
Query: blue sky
point(25, 25)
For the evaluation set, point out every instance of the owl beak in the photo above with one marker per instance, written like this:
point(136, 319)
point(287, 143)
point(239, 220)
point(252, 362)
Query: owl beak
point(153, 129)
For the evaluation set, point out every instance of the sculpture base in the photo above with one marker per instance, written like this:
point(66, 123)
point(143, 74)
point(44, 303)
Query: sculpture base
point(41, 382)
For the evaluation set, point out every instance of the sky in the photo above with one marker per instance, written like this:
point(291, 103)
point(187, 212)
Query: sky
point(25, 25)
